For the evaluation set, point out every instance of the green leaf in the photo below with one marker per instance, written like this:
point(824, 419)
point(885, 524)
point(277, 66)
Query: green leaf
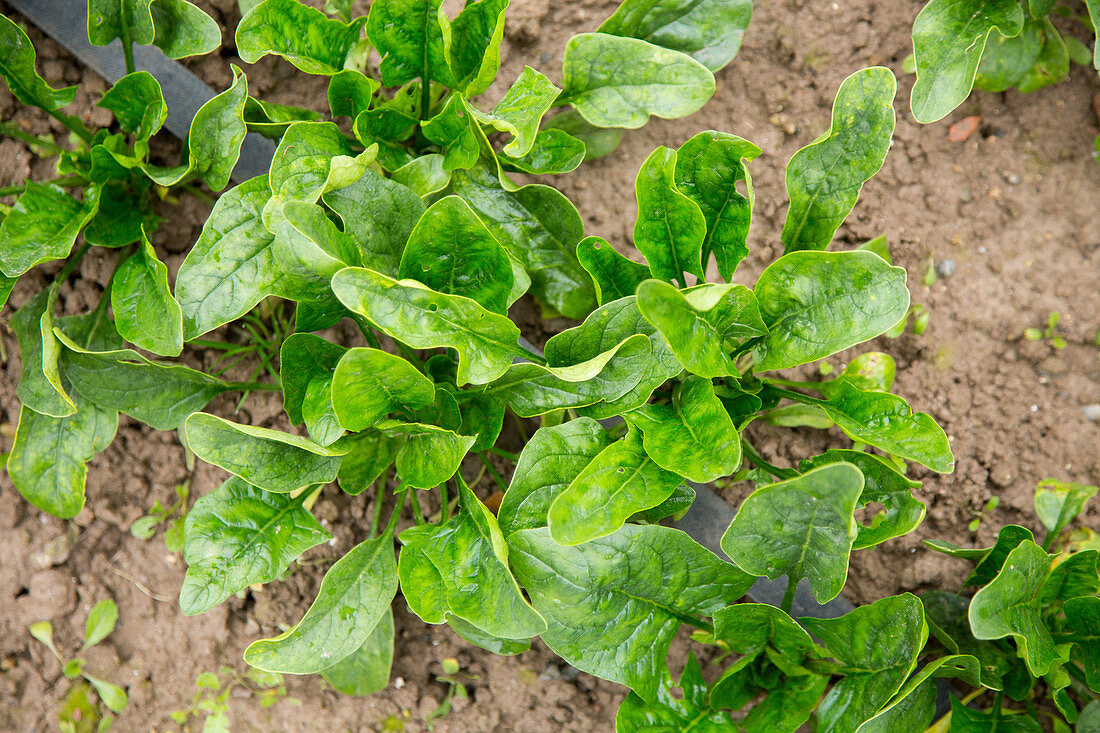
point(176, 27)
point(17, 60)
point(613, 605)
point(532, 389)
point(271, 120)
point(915, 704)
point(101, 622)
point(818, 303)
point(670, 227)
point(304, 357)
point(301, 167)
point(710, 31)
point(424, 319)
point(825, 177)
point(350, 92)
point(948, 41)
point(146, 314)
point(946, 616)
point(368, 384)
point(379, 214)
point(472, 45)
point(477, 637)
point(137, 103)
point(871, 371)
point(460, 569)
point(451, 251)
point(424, 175)
point(122, 216)
point(619, 82)
point(554, 151)
point(484, 418)
point(42, 226)
point(966, 719)
point(619, 482)
point(367, 670)
point(521, 109)
point(370, 453)
point(1083, 615)
point(40, 387)
point(48, 456)
point(1075, 576)
point(598, 141)
point(160, 395)
point(882, 484)
point(300, 34)
point(429, 455)
point(113, 696)
point(886, 421)
point(880, 643)
point(547, 465)
point(752, 629)
point(355, 595)
point(614, 275)
point(605, 329)
point(213, 141)
point(802, 528)
point(1009, 606)
point(538, 226)
point(268, 459)
point(694, 436)
point(697, 322)
point(1057, 503)
point(409, 36)
point(1052, 64)
point(1006, 59)
point(239, 535)
point(232, 266)
point(675, 506)
point(708, 168)
point(453, 129)
point(668, 713)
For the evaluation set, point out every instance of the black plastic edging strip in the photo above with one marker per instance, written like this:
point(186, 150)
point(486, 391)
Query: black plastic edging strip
point(66, 21)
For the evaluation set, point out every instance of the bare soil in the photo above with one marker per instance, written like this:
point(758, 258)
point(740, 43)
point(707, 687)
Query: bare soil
point(1016, 206)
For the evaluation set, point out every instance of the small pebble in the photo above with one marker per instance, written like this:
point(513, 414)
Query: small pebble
point(544, 57)
point(569, 673)
point(551, 673)
point(1012, 179)
point(1092, 412)
point(946, 268)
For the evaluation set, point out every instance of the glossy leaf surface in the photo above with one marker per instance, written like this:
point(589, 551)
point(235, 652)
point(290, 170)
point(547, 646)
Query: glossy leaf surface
point(302, 35)
point(368, 384)
point(670, 227)
point(710, 31)
point(145, 312)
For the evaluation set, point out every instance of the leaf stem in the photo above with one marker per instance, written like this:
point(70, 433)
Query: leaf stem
point(397, 507)
point(513, 457)
point(792, 383)
point(13, 131)
point(75, 124)
point(444, 509)
point(255, 386)
point(751, 453)
point(798, 396)
point(425, 98)
point(788, 596)
point(418, 513)
point(376, 519)
point(497, 478)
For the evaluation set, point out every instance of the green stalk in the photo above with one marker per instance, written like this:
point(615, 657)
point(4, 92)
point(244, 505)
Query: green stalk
point(75, 124)
point(497, 478)
point(788, 596)
point(254, 386)
point(376, 519)
point(425, 98)
point(13, 131)
point(392, 524)
point(750, 453)
point(444, 509)
point(418, 513)
point(513, 457)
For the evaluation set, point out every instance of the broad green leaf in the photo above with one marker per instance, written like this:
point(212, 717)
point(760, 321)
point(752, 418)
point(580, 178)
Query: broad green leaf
point(113, 696)
point(880, 643)
point(428, 455)
point(368, 384)
point(304, 159)
point(477, 637)
point(710, 31)
point(409, 36)
point(304, 357)
point(268, 459)
point(379, 214)
point(367, 670)
point(694, 436)
point(355, 595)
point(798, 416)
point(1083, 615)
point(451, 251)
point(1057, 503)
point(460, 569)
point(538, 226)
point(271, 120)
point(1006, 59)
point(42, 226)
point(1051, 66)
point(989, 559)
point(915, 704)
point(697, 323)
point(472, 45)
point(901, 512)
point(122, 215)
point(708, 168)
point(176, 27)
point(751, 629)
point(946, 616)
point(670, 227)
point(604, 329)
point(146, 314)
point(319, 414)
point(17, 59)
point(137, 103)
point(239, 535)
point(948, 40)
point(370, 453)
point(547, 465)
point(966, 719)
point(160, 395)
point(613, 605)
point(619, 82)
point(6, 285)
point(825, 177)
point(818, 303)
point(1093, 7)
point(482, 417)
point(614, 275)
point(48, 456)
point(453, 129)
point(101, 622)
point(598, 141)
point(521, 109)
point(231, 267)
point(40, 387)
point(872, 371)
point(802, 528)
point(350, 92)
point(424, 175)
point(300, 34)
point(213, 141)
point(1073, 577)
point(675, 506)
point(425, 319)
point(554, 151)
point(532, 389)
point(669, 713)
point(619, 482)
point(1009, 606)
point(886, 421)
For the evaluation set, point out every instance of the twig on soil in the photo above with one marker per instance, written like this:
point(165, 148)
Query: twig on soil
point(139, 585)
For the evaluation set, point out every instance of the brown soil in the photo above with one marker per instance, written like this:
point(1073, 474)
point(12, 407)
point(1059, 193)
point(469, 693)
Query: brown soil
point(1015, 207)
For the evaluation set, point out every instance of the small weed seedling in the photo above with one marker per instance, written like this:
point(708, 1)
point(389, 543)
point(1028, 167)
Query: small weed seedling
point(1049, 334)
point(145, 526)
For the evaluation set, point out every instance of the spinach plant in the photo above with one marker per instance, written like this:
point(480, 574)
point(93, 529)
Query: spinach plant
point(994, 45)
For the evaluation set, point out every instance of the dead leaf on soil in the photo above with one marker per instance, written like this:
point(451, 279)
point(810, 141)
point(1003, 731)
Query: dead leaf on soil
point(963, 129)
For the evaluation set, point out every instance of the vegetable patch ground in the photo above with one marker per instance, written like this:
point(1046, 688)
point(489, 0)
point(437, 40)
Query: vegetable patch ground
point(1016, 206)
